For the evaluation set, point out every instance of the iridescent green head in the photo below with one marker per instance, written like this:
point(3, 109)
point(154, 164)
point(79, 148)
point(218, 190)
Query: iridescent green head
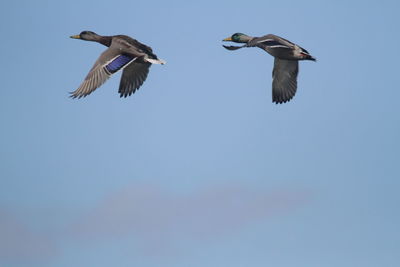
point(238, 38)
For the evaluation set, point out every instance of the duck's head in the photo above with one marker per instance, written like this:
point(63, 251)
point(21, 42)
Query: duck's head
point(238, 38)
point(87, 36)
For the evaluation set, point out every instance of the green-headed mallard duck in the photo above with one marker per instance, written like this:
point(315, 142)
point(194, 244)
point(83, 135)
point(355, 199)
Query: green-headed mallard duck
point(123, 53)
point(286, 65)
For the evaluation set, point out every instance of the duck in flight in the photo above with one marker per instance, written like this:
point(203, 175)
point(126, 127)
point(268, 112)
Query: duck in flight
point(123, 53)
point(286, 65)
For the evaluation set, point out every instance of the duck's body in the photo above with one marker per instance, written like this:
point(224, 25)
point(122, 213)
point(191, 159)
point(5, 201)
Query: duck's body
point(123, 53)
point(286, 66)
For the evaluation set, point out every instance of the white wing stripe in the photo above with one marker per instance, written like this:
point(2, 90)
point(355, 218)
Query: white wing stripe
point(265, 40)
point(281, 46)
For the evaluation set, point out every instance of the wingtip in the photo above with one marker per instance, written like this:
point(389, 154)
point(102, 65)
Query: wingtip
point(281, 100)
point(75, 96)
point(231, 47)
point(71, 95)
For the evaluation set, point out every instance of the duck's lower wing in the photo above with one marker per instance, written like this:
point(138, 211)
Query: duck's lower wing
point(232, 47)
point(133, 77)
point(109, 62)
point(284, 84)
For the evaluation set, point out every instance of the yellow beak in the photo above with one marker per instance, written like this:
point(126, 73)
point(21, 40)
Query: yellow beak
point(227, 39)
point(75, 36)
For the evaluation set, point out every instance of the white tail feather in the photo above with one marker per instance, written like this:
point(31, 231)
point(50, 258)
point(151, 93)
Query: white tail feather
point(155, 61)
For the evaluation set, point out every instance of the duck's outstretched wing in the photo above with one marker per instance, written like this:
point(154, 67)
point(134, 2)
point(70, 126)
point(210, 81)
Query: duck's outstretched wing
point(232, 47)
point(270, 40)
point(133, 77)
point(284, 83)
point(109, 62)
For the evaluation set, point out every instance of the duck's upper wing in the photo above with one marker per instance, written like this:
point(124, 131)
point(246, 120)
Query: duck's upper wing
point(133, 77)
point(109, 62)
point(135, 48)
point(284, 84)
point(270, 40)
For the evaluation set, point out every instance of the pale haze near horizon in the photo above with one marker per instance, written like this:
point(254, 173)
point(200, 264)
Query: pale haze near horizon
point(199, 167)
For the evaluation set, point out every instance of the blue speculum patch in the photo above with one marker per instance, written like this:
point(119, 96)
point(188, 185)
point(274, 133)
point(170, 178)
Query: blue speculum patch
point(118, 63)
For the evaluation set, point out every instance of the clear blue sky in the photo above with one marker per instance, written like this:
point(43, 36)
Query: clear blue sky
point(199, 168)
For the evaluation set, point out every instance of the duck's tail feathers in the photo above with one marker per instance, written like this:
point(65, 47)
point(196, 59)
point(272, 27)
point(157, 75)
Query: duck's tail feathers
point(308, 57)
point(155, 61)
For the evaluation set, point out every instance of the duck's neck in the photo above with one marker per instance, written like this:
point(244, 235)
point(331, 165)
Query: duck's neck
point(104, 40)
point(245, 39)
